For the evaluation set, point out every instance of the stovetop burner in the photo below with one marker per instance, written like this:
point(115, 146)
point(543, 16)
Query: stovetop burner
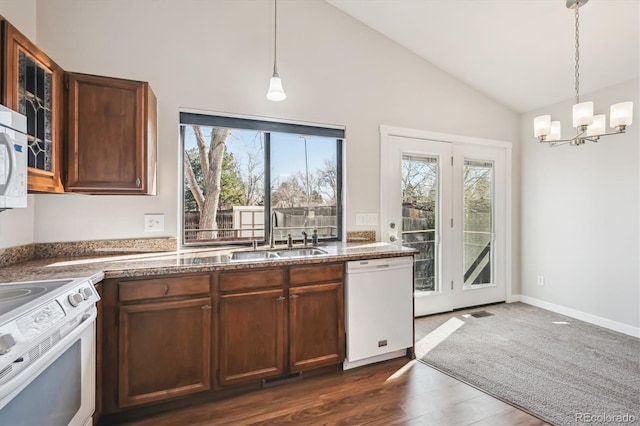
point(17, 295)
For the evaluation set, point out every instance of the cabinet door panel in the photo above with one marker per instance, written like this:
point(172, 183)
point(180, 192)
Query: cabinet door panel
point(316, 326)
point(111, 143)
point(251, 336)
point(164, 350)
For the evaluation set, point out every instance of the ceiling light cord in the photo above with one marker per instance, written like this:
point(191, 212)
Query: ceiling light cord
point(275, 39)
point(577, 55)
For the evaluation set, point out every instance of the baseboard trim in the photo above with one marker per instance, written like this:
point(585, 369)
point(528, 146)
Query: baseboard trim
point(582, 316)
point(513, 298)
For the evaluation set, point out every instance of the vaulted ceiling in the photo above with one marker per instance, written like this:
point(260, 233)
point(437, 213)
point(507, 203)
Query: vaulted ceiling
point(520, 52)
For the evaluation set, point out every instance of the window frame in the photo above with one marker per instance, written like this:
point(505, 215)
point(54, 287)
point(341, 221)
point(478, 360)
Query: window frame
point(268, 126)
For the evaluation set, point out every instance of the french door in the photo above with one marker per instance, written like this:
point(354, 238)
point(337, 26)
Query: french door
point(447, 200)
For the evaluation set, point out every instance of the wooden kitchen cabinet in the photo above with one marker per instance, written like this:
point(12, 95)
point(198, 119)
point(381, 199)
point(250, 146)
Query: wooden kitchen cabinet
point(32, 84)
point(254, 343)
point(251, 334)
point(111, 135)
point(251, 324)
point(164, 339)
point(316, 326)
point(316, 316)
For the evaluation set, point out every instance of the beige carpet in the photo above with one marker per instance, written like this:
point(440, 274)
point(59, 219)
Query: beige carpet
point(565, 371)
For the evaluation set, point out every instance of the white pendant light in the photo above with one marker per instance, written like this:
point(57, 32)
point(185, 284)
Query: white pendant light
point(589, 127)
point(276, 92)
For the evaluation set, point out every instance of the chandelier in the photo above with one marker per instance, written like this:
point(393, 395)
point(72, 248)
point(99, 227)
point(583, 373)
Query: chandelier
point(589, 127)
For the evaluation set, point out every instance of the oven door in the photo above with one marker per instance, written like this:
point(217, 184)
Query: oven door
point(59, 389)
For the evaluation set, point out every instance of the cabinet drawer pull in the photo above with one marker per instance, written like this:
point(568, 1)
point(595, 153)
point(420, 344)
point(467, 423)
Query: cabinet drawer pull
point(280, 298)
point(206, 307)
point(166, 290)
point(293, 296)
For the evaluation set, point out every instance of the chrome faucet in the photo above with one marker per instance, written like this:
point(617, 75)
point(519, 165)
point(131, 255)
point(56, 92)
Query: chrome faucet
point(304, 236)
point(289, 241)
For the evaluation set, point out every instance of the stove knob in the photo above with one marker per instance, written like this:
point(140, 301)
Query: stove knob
point(86, 293)
point(6, 343)
point(75, 299)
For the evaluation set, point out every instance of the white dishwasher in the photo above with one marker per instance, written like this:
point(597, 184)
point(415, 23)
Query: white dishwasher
point(379, 310)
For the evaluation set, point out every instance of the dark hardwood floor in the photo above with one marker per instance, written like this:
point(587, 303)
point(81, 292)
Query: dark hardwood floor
point(399, 392)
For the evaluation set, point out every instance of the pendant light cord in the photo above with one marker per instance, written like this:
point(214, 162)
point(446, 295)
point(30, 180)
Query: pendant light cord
point(275, 38)
point(577, 55)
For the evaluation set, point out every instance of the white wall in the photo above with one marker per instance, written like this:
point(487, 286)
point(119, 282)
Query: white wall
point(16, 226)
point(580, 215)
point(216, 55)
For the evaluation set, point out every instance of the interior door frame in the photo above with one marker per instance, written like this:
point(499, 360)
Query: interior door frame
point(388, 131)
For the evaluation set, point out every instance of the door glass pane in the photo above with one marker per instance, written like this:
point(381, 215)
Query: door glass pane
point(420, 217)
point(478, 222)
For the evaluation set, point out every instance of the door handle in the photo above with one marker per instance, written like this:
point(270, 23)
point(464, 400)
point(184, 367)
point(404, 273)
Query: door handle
point(392, 238)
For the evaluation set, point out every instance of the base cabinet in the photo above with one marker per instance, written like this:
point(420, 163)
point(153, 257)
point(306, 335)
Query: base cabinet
point(200, 335)
point(316, 330)
point(251, 336)
point(164, 350)
point(253, 342)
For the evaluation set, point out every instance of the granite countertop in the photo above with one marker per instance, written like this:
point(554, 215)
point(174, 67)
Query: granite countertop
point(183, 261)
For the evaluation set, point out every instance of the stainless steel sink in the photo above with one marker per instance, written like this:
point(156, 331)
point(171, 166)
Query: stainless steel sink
point(300, 252)
point(253, 255)
point(276, 254)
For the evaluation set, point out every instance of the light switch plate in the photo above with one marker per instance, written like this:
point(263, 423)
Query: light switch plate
point(361, 219)
point(372, 219)
point(154, 222)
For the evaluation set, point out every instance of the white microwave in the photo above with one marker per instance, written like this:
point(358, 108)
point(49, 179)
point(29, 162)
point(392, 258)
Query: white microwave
point(13, 159)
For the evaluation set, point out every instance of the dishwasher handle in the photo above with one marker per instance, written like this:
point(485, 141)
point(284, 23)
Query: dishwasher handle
point(373, 265)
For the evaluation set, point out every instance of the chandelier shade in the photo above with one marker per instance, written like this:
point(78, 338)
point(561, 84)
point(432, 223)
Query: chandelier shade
point(589, 127)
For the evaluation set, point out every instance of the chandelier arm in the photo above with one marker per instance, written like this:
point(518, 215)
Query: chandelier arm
point(585, 138)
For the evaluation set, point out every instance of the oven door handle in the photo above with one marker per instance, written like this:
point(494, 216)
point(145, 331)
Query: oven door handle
point(19, 382)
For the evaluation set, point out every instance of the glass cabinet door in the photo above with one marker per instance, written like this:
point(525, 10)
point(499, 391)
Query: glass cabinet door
point(35, 101)
point(33, 87)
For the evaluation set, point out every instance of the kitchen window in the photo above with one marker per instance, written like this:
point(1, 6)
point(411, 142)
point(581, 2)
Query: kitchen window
point(242, 175)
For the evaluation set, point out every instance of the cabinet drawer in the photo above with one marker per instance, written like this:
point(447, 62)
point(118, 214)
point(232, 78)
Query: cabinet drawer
point(164, 287)
point(300, 275)
point(233, 281)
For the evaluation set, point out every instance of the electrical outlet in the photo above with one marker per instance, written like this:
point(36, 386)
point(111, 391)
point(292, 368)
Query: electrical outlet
point(540, 280)
point(372, 219)
point(361, 219)
point(154, 222)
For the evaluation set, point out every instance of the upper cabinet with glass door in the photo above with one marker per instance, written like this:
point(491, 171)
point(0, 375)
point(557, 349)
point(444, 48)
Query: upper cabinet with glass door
point(32, 85)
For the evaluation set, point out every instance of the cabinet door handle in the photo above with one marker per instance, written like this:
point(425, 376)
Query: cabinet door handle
point(293, 296)
point(206, 307)
point(138, 182)
point(280, 299)
point(166, 290)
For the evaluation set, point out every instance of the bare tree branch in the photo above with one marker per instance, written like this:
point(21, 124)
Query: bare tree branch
point(193, 184)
